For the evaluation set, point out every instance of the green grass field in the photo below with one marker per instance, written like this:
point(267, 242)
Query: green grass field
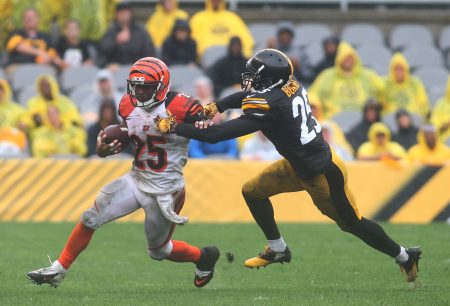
point(328, 268)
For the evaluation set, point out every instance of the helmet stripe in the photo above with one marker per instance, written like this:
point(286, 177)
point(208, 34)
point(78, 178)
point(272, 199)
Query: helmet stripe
point(144, 72)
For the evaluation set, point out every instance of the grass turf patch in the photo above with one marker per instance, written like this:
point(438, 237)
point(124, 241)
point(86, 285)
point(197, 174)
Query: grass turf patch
point(328, 267)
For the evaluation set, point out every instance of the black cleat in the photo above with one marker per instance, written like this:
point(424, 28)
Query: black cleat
point(204, 271)
point(268, 257)
point(411, 267)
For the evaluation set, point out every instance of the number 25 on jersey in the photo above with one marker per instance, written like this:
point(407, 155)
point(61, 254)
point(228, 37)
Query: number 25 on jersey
point(309, 127)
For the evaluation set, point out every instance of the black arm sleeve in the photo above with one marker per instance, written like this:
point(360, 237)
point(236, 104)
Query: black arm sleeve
point(228, 130)
point(231, 101)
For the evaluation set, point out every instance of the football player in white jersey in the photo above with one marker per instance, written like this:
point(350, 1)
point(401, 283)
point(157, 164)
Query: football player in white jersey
point(155, 182)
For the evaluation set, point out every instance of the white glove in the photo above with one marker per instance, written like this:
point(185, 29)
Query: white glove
point(165, 203)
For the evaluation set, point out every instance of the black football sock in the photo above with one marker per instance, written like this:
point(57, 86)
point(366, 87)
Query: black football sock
point(263, 214)
point(374, 235)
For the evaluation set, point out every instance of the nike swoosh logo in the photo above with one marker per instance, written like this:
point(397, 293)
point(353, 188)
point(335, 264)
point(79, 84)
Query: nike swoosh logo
point(200, 282)
point(249, 96)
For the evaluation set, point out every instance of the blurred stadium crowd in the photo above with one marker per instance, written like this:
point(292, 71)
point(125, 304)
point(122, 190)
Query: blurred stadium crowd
point(66, 64)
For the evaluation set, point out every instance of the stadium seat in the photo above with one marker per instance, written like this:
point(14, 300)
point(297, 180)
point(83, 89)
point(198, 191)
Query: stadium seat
point(380, 68)
point(444, 38)
point(314, 52)
point(419, 56)
point(434, 94)
point(261, 32)
point(389, 120)
point(347, 119)
point(25, 95)
point(76, 76)
point(25, 75)
point(183, 74)
point(432, 77)
point(358, 34)
point(211, 56)
point(78, 94)
point(120, 77)
point(408, 34)
point(311, 33)
point(373, 55)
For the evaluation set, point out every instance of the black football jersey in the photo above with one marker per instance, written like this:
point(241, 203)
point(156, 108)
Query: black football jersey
point(290, 126)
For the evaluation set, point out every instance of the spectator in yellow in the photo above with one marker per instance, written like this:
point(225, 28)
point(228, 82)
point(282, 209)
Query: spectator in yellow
point(58, 138)
point(429, 150)
point(10, 111)
point(402, 90)
point(28, 45)
point(216, 25)
point(160, 23)
point(49, 95)
point(335, 131)
point(441, 114)
point(380, 145)
point(348, 85)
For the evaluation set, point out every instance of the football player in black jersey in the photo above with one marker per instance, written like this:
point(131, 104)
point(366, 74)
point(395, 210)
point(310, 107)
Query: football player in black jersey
point(274, 102)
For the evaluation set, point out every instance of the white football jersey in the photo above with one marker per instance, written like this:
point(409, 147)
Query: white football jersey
point(159, 158)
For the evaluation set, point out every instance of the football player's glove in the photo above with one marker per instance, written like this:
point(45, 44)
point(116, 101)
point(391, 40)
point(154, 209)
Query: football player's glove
point(166, 125)
point(210, 110)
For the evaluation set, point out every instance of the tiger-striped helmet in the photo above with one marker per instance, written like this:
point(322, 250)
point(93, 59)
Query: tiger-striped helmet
point(148, 82)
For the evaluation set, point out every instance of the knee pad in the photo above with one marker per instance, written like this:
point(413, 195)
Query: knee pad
point(162, 252)
point(91, 218)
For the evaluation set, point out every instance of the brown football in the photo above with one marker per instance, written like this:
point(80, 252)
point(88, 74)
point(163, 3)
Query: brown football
point(119, 133)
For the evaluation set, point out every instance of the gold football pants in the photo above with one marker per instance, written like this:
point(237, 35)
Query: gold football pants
point(329, 191)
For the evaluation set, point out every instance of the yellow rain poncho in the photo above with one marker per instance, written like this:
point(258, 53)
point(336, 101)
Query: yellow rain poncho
point(421, 153)
point(372, 150)
point(10, 111)
point(215, 28)
point(410, 94)
point(38, 106)
point(441, 114)
point(160, 23)
point(341, 91)
point(49, 141)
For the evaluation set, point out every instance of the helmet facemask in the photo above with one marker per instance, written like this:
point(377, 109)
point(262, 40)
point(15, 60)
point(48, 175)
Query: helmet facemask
point(252, 79)
point(144, 92)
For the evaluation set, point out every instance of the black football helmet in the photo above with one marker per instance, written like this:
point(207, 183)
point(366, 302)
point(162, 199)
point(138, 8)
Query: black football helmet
point(267, 69)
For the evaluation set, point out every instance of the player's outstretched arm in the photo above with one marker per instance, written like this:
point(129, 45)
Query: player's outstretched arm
point(216, 133)
point(232, 101)
point(104, 149)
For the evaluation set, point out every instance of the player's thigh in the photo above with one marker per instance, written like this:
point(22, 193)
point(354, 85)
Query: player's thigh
point(114, 200)
point(277, 178)
point(331, 195)
point(158, 229)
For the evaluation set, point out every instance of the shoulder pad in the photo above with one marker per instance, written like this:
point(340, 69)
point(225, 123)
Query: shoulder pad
point(182, 105)
point(126, 106)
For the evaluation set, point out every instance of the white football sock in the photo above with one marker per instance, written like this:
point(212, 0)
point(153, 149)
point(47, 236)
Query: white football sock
point(403, 256)
point(58, 267)
point(277, 245)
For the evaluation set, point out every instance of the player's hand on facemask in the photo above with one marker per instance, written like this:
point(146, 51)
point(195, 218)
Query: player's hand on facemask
point(210, 110)
point(166, 125)
point(104, 149)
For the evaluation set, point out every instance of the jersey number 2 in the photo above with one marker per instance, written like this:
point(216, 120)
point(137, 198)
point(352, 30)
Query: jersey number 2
point(308, 124)
point(158, 164)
